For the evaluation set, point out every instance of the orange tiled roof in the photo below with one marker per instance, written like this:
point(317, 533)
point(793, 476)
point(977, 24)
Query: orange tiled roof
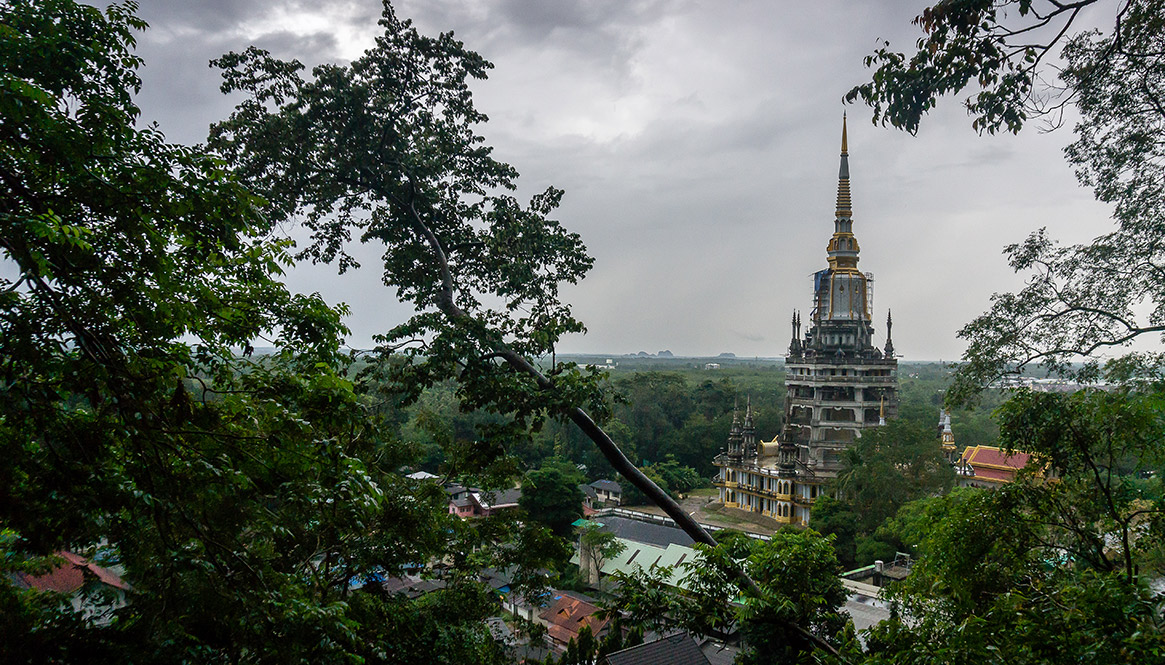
point(567, 615)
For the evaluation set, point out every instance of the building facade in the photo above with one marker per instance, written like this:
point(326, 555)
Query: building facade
point(837, 383)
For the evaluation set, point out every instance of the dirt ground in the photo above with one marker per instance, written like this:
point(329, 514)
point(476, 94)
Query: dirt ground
point(702, 505)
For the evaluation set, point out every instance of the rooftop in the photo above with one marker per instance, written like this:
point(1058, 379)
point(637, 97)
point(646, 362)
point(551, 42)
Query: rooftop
point(677, 649)
point(70, 575)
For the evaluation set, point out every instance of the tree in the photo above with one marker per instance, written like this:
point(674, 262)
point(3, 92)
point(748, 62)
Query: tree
point(890, 466)
point(597, 547)
point(385, 148)
point(1102, 512)
point(632, 496)
point(1039, 571)
point(987, 588)
point(246, 497)
point(551, 496)
point(797, 571)
point(836, 518)
point(679, 479)
point(1080, 299)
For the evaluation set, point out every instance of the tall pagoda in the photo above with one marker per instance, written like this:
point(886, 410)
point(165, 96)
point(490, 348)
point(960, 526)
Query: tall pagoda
point(837, 384)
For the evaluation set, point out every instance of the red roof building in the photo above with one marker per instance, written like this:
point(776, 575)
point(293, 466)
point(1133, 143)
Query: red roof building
point(987, 466)
point(69, 577)
point(93, 591)
point(567, 615)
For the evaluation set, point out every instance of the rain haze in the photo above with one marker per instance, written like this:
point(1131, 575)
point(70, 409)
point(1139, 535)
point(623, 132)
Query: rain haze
point(697, 143)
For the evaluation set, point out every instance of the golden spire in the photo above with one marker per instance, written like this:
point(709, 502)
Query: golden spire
point(843, 247)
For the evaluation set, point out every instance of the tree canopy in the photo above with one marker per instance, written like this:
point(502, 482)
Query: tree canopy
point(1080, 299)
point(551, 495)
point(246, 498)
point(1054, 567)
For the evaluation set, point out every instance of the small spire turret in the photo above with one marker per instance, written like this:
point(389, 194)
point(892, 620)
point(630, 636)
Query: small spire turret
point(734, 435)
point(748, 434)
point(889, 336)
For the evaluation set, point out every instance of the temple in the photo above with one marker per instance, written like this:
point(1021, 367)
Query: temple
point(837, 383)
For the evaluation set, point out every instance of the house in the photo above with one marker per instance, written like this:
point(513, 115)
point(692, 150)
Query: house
point(491, 502)
point(567, 614)
point(464, 507)
point(987, 466)
point(473, 502)
point(677, 649)
point(95, 591)
point(590, 498)
point(608, 492)
point(411, 586)
point(456, 491)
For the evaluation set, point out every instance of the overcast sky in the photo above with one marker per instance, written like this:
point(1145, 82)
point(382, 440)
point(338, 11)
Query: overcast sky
point(698, 146)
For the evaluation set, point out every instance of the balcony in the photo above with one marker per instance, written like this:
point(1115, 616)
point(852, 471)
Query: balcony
point(836, 423)
point(830, 359)
point(834, 380)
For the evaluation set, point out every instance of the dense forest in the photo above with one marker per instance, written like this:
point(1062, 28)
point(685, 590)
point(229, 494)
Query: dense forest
point(676, 408)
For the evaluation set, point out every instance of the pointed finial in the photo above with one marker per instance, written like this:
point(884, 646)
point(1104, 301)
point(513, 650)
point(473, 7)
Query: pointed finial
point(889, 335)
point(844, 143)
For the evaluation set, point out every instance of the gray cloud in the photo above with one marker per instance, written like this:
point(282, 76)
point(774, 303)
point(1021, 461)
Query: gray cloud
point(697, 143)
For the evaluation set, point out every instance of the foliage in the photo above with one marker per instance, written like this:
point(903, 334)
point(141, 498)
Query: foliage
point(797, 572)
point(994, 45)
point(1040, 569)
point(1080, 299)
point(891, 465)
point(551, 496)
point(246, 498)
point(679, 479)
point(598, 546)
point(885, 469)
point(633, 497)
point(1097, 443)
point(834, 517)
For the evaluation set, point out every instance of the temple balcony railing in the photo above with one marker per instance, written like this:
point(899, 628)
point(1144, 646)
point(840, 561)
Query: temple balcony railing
point(834, 380)
point(818, 422)
point(832, 359)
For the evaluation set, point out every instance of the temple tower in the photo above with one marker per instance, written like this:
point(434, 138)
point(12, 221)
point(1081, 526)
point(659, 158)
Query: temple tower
point(837, 384)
